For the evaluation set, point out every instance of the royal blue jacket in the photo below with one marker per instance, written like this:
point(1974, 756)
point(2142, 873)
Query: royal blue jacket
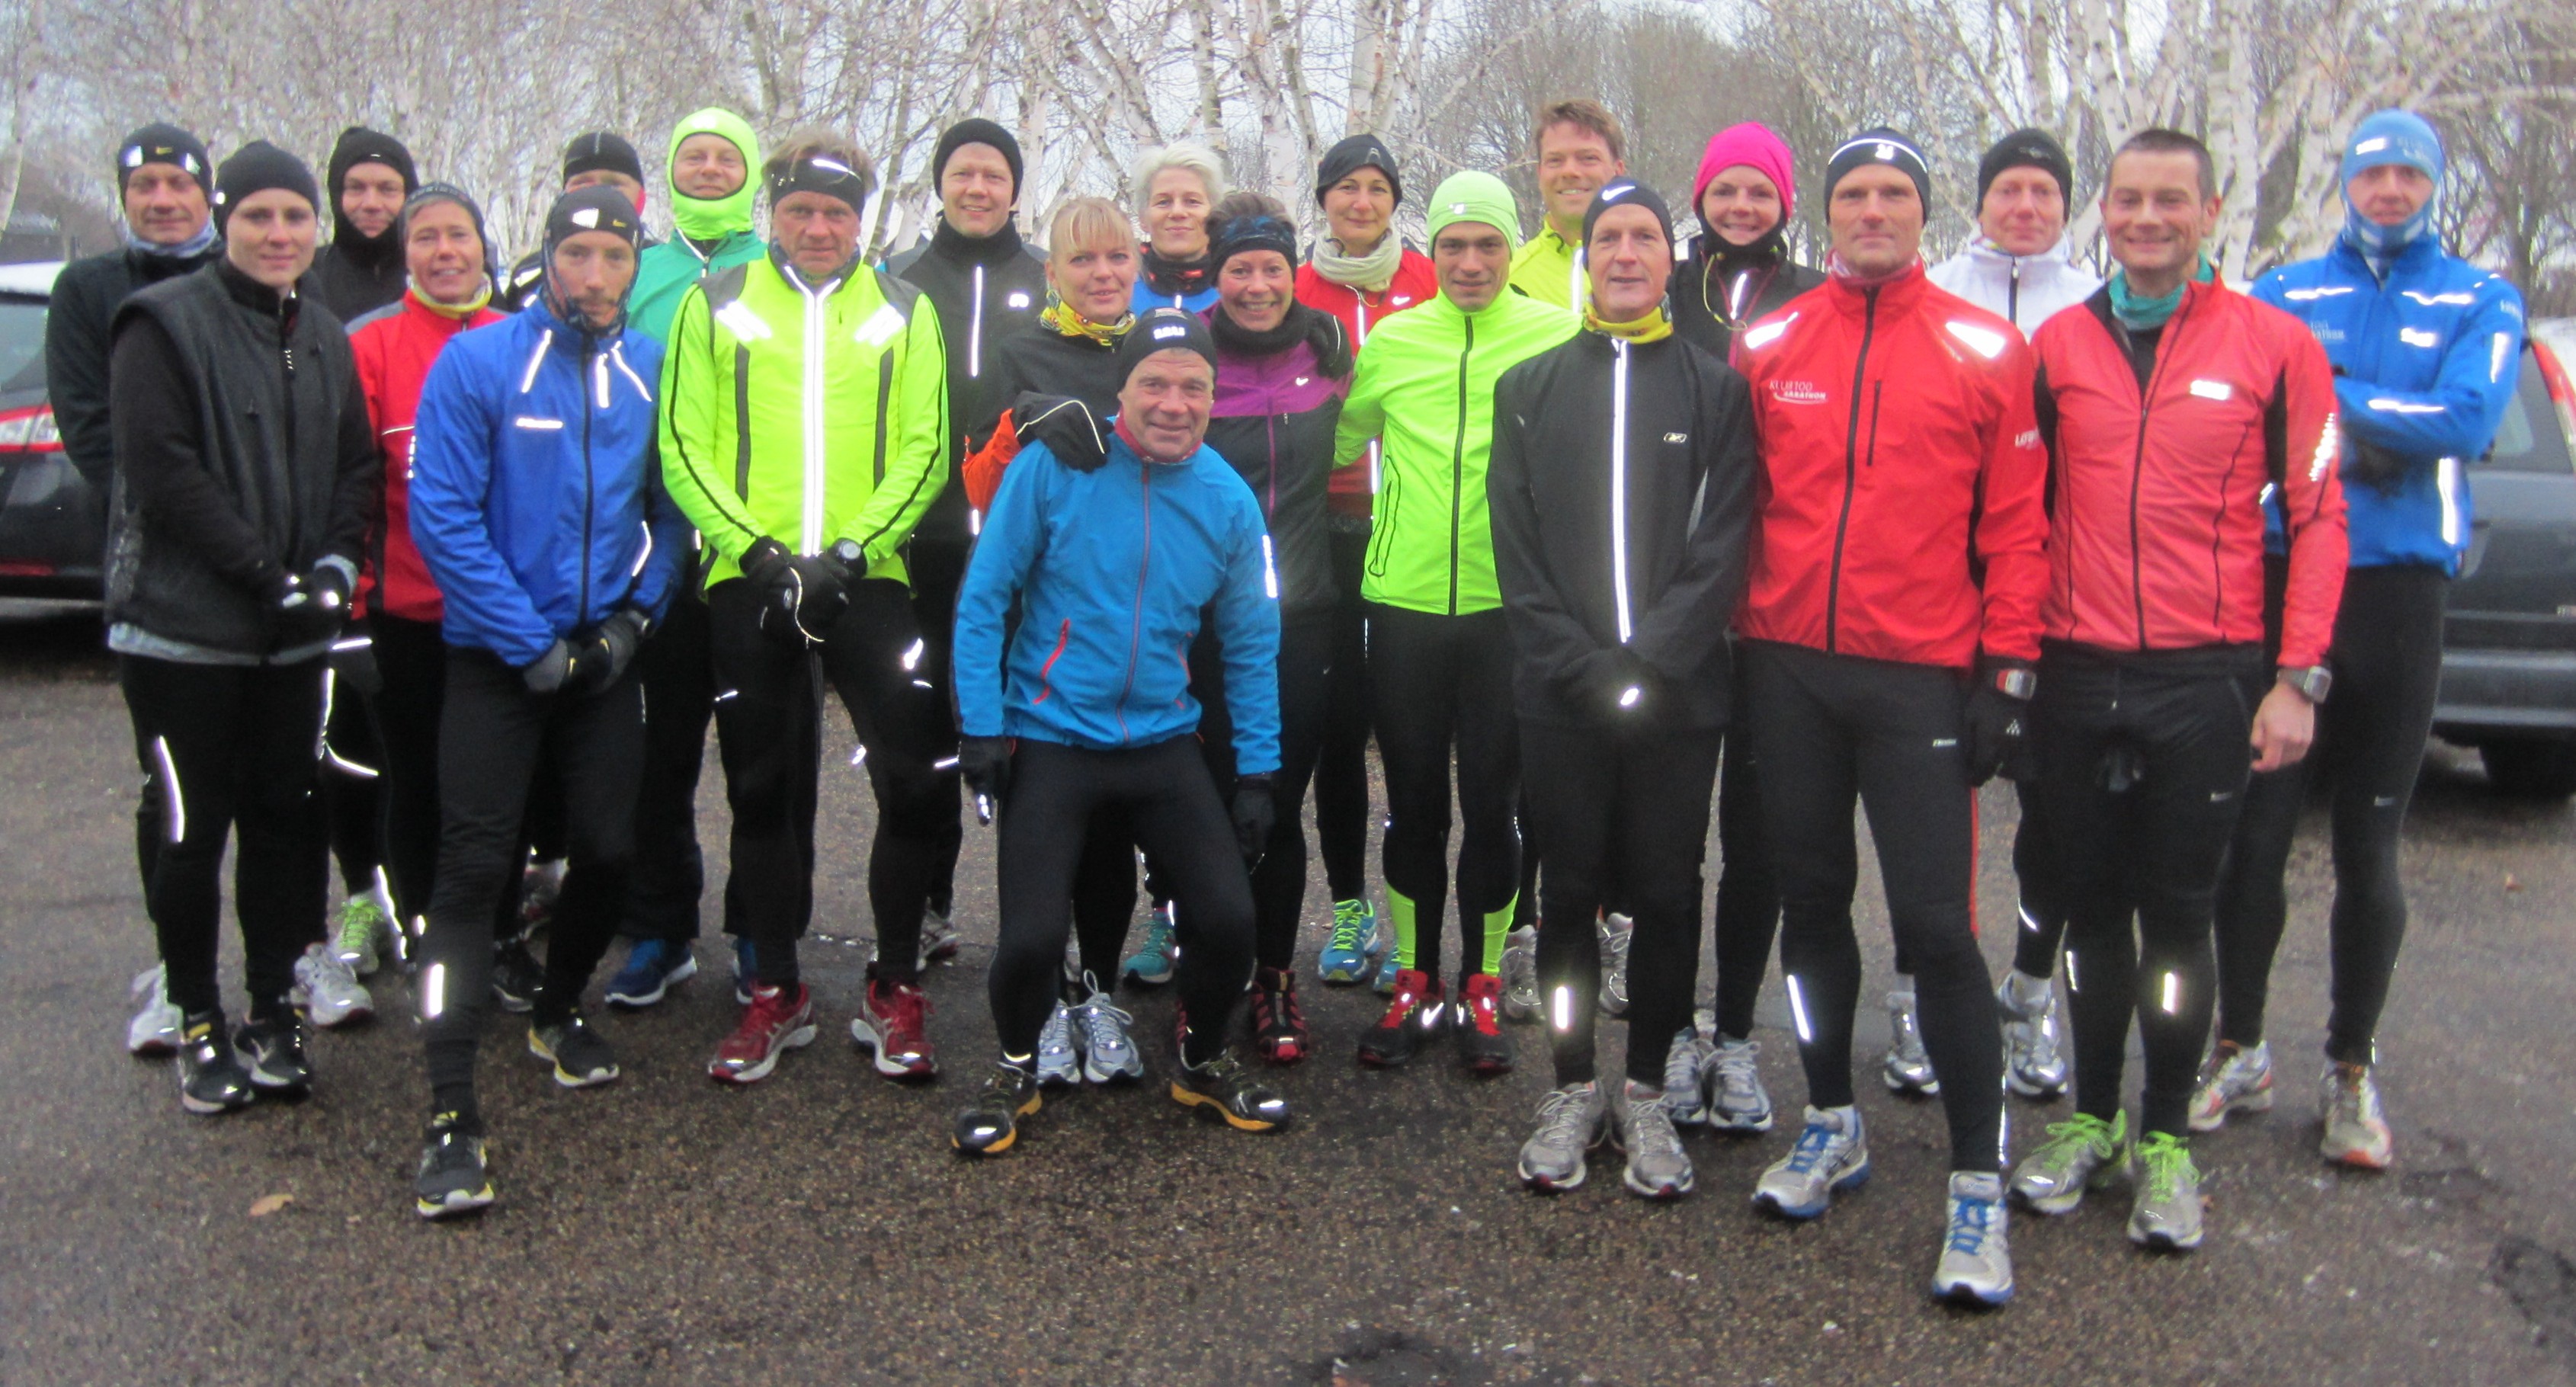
point(1112, 569)
point(2425, 363)
point(536, 491)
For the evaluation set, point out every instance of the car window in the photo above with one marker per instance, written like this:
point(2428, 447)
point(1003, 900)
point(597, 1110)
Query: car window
point(2529, 439)
point(22, 345)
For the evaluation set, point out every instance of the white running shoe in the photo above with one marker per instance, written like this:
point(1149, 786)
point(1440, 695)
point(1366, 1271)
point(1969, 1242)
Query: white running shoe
point(1617, 931)
point(328, 991)
point(1976, 1257)
point(1686, 1078)
point(2356, 1128)
point(1908, 1069)
point(1108, 1051)
point(1059, 1057)
point(1832, 1155)
point(1737, 1102)
point(1520, 974)
point(154, 1031)
point(2232, 1080)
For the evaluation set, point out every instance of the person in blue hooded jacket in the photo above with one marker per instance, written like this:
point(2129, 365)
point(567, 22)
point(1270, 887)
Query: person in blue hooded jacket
point(537, 502)
point(2425, 347)
point(1111, 553)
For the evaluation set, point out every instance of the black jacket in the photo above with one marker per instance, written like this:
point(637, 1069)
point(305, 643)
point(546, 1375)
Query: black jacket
point(1713, 301)
point(353, 276)
point(987, 291)
point(86, 296)
point(1685, 468)
point(243, 453)
point(1049, 363)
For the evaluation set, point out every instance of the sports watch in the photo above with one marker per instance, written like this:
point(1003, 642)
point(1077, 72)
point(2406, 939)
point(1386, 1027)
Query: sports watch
point(847, 552)
point(2311, 682)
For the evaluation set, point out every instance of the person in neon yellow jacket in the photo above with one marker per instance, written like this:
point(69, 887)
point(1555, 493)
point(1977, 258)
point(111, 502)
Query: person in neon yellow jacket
point(804, 432)
point(1440, 657)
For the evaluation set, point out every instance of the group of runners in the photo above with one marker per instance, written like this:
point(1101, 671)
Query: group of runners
point(1124, 547)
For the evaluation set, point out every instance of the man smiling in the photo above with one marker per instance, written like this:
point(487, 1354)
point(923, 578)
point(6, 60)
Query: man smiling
point(1580, 147)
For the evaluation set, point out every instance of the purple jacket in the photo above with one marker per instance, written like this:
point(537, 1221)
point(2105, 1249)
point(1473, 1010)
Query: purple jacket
point(1273, 423)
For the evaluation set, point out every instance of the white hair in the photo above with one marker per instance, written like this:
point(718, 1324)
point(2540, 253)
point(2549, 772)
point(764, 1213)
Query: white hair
point(1197, 158)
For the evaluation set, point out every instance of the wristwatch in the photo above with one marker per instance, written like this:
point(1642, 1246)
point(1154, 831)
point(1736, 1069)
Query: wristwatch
point(2311, 682)
point(847, 551)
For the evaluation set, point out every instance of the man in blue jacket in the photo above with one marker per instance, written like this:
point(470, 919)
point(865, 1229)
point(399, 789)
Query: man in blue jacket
point(1111, 555)
point(2425, 348)
point(537, 501)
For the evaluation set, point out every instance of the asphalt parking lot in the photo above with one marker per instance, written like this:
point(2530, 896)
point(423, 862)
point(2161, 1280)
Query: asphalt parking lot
point(818, 1229)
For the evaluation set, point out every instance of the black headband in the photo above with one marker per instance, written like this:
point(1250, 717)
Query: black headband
point(1263, 232)
point(819, 173)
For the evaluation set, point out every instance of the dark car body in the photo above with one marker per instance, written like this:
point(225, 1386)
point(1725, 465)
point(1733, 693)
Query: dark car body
point(2509, 640)
point(53, 523)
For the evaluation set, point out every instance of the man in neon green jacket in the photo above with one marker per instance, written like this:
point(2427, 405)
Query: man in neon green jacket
point(1440, 657)
point(804, 432)
point(713, 157)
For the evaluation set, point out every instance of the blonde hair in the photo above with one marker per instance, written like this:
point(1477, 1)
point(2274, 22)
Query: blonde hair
point(1087, 223)
point(1198, 159)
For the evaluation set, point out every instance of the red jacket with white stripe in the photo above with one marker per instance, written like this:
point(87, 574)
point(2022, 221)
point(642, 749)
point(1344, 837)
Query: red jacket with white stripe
point(394, 346)
point(2156, 492)
point(1901, 515)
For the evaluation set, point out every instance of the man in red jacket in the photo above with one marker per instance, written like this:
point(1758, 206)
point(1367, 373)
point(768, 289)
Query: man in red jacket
point(1891, 623)
point(2172, 406)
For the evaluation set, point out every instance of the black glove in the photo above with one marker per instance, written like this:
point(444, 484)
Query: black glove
point(800, 595)
point(1065, 425)
point(2375, 467)
point(1618, 688)
point(1998, 721)
point(353, 660)
point(607, 649)
point(309, 608)
point(1254, 814)
point(984, 763)
point(552, 670)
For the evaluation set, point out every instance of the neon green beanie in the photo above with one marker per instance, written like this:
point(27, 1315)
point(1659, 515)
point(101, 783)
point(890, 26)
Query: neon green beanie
point(1474, 197)
point(702, 219)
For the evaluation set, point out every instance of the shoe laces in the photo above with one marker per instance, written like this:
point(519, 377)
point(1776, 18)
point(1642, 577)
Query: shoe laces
point(1002, 1086)
point(1401, 1006)
point(1565, 1114)
point(1814, 1140)
point(2085, 1131)
point(1650, 1128)
point(2168, 1163)
point(903, 1005)
point(1104, 1024)
point(1349, 918)
point(1617, 940)
point(771, 1007)
point(2355, 1097)
point(1223, 1074)
point(1479, 1004)
point(1158, 933)
point(1682, 1062)
point(1972, 1221)
point(1736, 1069)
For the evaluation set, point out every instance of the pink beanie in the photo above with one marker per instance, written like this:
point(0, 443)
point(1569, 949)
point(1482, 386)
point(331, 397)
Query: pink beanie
point(1753, 145)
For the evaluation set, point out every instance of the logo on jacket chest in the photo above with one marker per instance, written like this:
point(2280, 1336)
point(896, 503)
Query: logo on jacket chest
point(1798, 392)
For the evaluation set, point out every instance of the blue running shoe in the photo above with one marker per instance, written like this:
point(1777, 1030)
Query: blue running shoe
point(652, 965)
point(1152, 964)
point(743, 974)
point(1348, 956)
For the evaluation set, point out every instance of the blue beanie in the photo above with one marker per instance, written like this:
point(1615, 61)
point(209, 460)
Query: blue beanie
point(2390, 137)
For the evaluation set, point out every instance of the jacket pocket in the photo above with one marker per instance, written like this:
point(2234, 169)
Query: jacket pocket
point(1046, 672)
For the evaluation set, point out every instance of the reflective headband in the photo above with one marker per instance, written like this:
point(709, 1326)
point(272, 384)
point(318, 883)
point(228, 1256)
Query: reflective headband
point(819, 173)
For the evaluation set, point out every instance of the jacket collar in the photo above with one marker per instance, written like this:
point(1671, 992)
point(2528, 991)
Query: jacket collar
point(1983, 252)
point(1893, 295)
point(542, 315)
point(948, 243)
point(2414, 258)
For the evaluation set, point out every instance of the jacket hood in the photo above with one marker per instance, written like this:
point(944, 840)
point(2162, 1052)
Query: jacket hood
point(710, 219)
point(359, 145)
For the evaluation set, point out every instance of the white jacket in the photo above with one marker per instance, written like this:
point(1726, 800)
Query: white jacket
point(2026, 289)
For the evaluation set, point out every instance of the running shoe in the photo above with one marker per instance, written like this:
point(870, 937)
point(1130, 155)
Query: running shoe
point(1154, 961)
point(580, 1057)
point(1737, 1102)
point(1414, 1016)
point(1616, 931)
point(651, 967)
point(2082, 1153)
point(939, 938)
point(453, 1178)
point(1224, 1088)
point(154, 1031)
point(2233, 1079)
point(517, 977)
point(364, 919)
point(779, 1019)
point(540, 883)
point(211, 1076)
point(1278, 1023)
point(2166, 1216)
point(1908, 1069)
point(1350, 954)
point(894, 1023)
point(990, 1122)
point(1059, 1058)
point(2356, 1129)
point(272, 1053)
point(1571, 1121)
point(1686, 1077)
point(2034, 1063)
point(1832, 1155)
point(1108, 1050)
point(1976, 1257)
point(1520, 974)
point(328, 991)
point(1483, 1046)
point(1658, 1168)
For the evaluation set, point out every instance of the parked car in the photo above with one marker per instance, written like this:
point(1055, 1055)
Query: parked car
point(2509, 643)
point(53, 524)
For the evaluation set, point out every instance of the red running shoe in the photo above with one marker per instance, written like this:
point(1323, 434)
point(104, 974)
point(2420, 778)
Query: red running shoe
point(1482, 1044)
point(779, 1019)
point(1414, 1014)
point(894, 1022)
point(1278, 1023)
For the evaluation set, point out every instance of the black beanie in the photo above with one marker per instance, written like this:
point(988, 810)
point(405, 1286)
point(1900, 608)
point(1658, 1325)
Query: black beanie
point(1163, 329)
point(255, 168)
point(2027, 149)
point(601, 149)
point(1350, 156)
point(1880, 145)
point(359, 145)
point(163, 143)
point(1626, 192)
point(591, 209)
point(976, 130)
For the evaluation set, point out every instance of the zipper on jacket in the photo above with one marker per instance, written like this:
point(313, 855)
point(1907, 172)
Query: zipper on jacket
point(1619, 484)
point(1851, 469)
point(810, 535)
point(596, 367)
point(1458, 467)
point(2138, 462)
point(1144, 563)
point(975, 330)
point(1360, 310)
point(1046, 672)
point(2012, 294)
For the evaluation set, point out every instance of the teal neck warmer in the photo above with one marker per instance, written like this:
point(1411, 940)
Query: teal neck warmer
point(2145, 314)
